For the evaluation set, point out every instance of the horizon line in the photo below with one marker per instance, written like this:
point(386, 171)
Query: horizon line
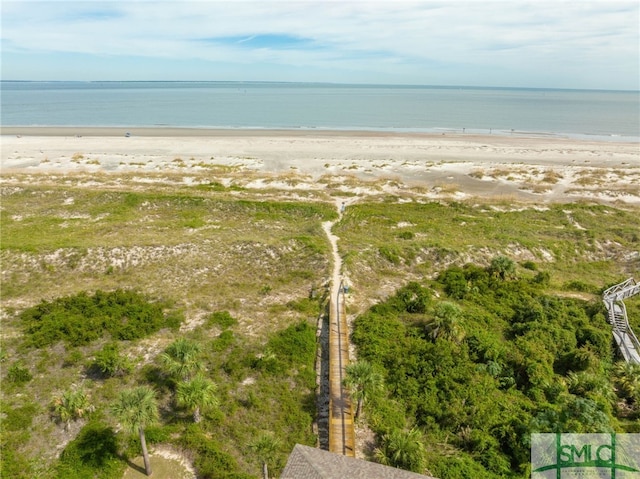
point(284, 82)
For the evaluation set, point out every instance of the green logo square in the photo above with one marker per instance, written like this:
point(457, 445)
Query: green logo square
point(572, 456)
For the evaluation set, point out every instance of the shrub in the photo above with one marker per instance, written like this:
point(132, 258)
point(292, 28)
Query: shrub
point(153, 434)
point(502, 267)
point(73, 358)
point(579, 286)
point(211, 461)
point(94, 453)
point(18, 374)
point(295, 344)
point(454, 282)
point(403, 449)
point(521, 344)
point(455, 467)
point(81, 319)
point(543, 278)
point(14, 465)
point(109, 362)
point(413, 298)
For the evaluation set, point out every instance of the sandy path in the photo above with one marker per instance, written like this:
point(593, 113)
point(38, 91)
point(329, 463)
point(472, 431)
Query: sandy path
point(336, 273)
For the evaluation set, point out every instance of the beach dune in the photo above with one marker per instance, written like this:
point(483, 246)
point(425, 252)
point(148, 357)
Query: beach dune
point(528, 167)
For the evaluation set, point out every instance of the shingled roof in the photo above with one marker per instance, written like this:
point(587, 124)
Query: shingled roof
point(311, 463)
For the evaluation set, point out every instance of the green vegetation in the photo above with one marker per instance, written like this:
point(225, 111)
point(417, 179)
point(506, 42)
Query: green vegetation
point(19, 374)
point(94, 291)
point(196, 394)
point(362, 381)
point(83, 318)
point(376, 248)
point(222, 319)
point(215, 393)
point(403, 449)
point(181, 359)
point(93, 453)
point(493, 359)
point(110, 362)
point(71, 405)
point(265, 448)
point(136, 409)
point(173, 241)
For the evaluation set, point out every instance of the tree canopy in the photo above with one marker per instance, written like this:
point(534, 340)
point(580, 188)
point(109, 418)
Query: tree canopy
point(487, 364)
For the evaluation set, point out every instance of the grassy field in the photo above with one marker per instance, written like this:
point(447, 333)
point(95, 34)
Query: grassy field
point(205, 250)
point(584, 246)
point(258, 254)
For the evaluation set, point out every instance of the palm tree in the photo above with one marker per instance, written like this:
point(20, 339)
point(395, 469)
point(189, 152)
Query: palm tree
point(403, 449)
point(590, 385)
point(362, 381)
point(181, 358)
point(135, 409)
point(265, 448)
point(446, 322)
point(627, 380)
point(196, 394)
point(71, 405)
point(503, 267)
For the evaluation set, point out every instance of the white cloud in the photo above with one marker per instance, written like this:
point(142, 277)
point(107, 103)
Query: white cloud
point(423, 40)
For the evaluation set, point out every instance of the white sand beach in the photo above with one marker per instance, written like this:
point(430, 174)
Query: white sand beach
point(452, 165)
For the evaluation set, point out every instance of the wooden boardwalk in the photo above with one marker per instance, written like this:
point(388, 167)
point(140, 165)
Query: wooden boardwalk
point(627, 341)
point(341, 428)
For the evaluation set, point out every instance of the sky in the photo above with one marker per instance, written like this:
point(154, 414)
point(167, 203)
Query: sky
point(557, 44)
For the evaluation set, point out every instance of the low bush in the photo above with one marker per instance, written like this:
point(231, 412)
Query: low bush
point(295, 345)
point(211, 461)
point(18, 374)
point(14, 465)
point(580, 286)
point(109, 362)
point(83, 318)
point(94, 453)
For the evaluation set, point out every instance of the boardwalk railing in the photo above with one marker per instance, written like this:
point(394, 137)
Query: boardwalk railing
point(617, 314)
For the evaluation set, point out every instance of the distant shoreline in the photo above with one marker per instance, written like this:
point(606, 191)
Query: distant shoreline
point(170, 131)
point(177, 132)
point(323, 84)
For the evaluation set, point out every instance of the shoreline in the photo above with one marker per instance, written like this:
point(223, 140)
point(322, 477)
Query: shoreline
point(177, 131)
point(171, 131)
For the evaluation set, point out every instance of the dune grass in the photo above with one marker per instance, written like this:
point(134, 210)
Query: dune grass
point(209, 246)
point(599, 246)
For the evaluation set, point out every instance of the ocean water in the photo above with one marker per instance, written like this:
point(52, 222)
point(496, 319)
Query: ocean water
point(611, 115)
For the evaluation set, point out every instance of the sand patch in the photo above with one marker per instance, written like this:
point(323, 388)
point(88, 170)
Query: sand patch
point(441, 166)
